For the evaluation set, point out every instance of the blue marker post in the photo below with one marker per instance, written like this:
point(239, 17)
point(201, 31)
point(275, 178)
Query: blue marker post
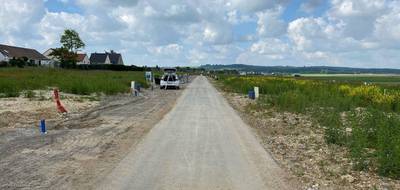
point(43, 126)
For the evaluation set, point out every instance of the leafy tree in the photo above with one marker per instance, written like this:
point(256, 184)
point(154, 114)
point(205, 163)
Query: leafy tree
point(71, 40)
point(67, 58)
point(71, 43)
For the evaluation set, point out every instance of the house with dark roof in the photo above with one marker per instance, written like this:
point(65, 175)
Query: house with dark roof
point(106, 58)
point(12, 52)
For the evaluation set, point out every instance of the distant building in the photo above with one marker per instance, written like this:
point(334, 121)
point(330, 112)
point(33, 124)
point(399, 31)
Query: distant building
point(47, 54)
point(106, 58)
point(53, 61)
point(12, 52)
point(82, 59)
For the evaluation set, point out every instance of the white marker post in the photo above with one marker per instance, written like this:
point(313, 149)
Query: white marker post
point(256, 92)
point(133, 88)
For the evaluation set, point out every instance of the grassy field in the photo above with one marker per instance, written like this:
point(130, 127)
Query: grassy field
point(13, 81)
point(381, 79)
point(370, 112)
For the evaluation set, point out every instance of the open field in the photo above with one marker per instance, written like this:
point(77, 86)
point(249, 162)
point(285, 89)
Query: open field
point(14, 81)
point(364, 119)
point(381, 79)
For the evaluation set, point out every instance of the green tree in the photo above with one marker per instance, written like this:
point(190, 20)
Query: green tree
point(71, 43)
point(71, 40)
point(67, 58)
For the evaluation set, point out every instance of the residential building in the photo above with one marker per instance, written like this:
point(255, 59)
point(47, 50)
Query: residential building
point(82, 59)
point(106, 58)
point(12, 52)
point(53, 61)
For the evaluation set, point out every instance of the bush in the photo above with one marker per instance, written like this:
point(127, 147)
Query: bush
point(29, 94)
point(110, 67)
point(334, 128)
point(388, 146)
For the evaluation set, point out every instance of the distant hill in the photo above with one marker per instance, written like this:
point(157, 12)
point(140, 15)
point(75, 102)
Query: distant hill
point(303, 70)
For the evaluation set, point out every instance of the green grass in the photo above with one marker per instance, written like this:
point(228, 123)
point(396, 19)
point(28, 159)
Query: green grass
point(381, 79)
point(370, 111)
point(14, 81)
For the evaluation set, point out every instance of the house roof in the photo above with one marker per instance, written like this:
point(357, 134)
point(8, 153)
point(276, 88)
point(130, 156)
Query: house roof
point(19, 52)
point(98, 57)
point(114, 57)
point(101, 57)
point(81, 57)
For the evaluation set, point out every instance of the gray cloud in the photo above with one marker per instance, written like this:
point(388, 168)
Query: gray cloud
point(310, 5)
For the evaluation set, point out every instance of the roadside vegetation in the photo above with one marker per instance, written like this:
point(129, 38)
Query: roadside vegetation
point(386, 80)
point(363, 118)
point(17, 81)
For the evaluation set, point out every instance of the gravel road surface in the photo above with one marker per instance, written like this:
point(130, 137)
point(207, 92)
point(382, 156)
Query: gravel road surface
point(202, 143)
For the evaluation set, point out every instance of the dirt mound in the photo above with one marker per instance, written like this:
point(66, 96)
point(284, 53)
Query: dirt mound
point(27, 112)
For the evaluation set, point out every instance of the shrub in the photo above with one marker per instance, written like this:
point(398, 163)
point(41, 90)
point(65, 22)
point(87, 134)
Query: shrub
point(29, 94)
point(334, 128)
point(388, 146)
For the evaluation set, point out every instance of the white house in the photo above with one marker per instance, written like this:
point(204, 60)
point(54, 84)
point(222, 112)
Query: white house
point(53, 61)
point(83, 59)
point(12, 52)
point(3, 57)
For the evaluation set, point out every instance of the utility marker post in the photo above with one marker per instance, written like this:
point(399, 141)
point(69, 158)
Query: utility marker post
point(134, 91)
point(43, 126)
point(256, 92)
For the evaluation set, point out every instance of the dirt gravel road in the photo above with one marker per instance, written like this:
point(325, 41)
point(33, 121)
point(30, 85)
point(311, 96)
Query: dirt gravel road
point(201, 143)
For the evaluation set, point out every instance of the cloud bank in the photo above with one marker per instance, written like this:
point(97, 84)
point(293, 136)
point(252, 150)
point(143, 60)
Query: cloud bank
point(352, 33)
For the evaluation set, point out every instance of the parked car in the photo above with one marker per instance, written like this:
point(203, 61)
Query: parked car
point(170, 79)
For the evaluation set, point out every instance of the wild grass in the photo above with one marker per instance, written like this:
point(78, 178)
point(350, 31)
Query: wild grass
point(14, 81)
point(364, 118)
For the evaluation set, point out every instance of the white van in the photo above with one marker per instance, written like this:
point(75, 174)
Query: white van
point(169, 79)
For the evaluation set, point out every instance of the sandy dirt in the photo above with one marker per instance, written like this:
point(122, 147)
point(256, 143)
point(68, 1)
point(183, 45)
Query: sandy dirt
point(80, 147)
point(26, 112)
point(298, 145)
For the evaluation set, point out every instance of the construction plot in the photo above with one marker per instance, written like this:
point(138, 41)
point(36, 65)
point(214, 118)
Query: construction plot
point(80, 146)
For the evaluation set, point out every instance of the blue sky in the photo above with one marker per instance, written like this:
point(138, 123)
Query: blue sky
point(351, 33)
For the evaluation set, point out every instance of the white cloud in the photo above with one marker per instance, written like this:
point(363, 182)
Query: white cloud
point(387, 26)
point(168, 50)
point(18, 20)
point(254, 5)
point(270, 24)
point(349, 33)
point(270, 46)
point(53, 24)
point(357, 16)
point(218, 33)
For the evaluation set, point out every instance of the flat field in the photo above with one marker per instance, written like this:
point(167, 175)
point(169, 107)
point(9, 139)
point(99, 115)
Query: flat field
point(364, 118)
point(381, 79)
point(14, 81)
